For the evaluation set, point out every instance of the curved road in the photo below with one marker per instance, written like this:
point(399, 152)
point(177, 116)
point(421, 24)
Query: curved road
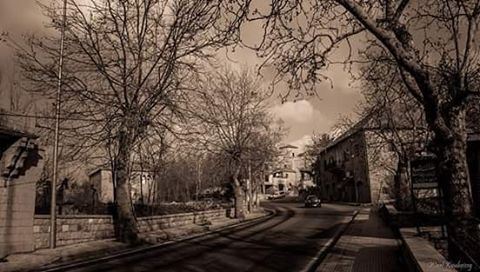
point(286, 242)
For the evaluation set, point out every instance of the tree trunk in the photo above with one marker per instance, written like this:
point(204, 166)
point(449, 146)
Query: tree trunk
point(454, 179)
point(402, 189)
point(238, 193)
point(239, 205)
point(250, 201)
point(126, 229)
point(249, 189)
point(256, 201)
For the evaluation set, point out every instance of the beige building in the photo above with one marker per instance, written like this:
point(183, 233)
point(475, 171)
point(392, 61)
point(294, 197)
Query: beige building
point(141, 185)
point(289, 173)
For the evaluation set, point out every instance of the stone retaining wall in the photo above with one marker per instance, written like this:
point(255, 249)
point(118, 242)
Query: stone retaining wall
point(421, 256)
point(408, 219)
point(154, 223)
point(73, 229)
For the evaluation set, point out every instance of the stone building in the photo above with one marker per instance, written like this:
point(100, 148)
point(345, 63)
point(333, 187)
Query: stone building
point(359, 166)
point(21, 163)
point(353, 168)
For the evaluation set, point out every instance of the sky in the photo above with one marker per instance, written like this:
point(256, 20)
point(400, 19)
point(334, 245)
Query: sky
point(335, 98)
point(302, 117)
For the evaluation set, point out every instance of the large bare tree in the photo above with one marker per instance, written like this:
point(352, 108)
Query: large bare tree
point(432, 44)
point(397, 121)
point(231, 111)
point(125, 64)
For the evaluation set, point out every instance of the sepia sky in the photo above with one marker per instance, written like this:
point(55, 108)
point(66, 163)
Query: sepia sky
point(302, 117)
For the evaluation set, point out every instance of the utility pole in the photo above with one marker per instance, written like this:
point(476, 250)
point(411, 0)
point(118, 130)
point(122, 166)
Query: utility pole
point(53, 204)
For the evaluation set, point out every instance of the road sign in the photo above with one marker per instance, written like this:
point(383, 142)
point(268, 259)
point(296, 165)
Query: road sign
point(424, 173)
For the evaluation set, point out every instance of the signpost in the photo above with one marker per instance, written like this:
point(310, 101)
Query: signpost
point(423, 171)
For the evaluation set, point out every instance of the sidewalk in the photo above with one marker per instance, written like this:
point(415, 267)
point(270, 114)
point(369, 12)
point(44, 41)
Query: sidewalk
point(44, 258)
point(368, 245)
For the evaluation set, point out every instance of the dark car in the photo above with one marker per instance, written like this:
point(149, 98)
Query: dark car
point(312, 201)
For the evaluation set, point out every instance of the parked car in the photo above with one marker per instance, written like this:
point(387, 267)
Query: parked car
point(312, 201)
point(276, 195)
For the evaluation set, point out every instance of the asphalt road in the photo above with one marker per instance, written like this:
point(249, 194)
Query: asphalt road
point(286, 242)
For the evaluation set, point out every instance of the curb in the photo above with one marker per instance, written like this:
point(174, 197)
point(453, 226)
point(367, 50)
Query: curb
point(354, 204)
point(315, 262)
point(128, 252)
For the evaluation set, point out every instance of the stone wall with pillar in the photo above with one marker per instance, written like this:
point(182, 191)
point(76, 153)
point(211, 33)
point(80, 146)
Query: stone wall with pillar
point(21, 163)
point(72, 229)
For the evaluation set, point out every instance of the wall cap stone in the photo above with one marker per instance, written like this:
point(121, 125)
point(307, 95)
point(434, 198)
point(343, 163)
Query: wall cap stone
point(180, 214)
point(425, 257)
point(75, 216)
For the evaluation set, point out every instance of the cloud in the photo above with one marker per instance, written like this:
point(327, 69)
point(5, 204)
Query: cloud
point(294, 112)
point(301, 118)
point(302, 142)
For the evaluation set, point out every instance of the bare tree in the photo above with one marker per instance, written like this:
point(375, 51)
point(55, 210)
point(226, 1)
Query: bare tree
point(313, 149)
point(231, 111)
point(396, 119)
point(261, 151)
point(432, 44)
point(125, 64)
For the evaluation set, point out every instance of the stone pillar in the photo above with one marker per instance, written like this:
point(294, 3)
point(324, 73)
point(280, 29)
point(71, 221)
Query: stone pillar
point(21, 164)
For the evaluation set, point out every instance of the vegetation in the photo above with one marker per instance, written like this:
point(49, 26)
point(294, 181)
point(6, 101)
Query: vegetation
point(125, 67)
point(232, 122)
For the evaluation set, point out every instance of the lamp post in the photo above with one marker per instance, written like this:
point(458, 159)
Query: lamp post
point(53, 204)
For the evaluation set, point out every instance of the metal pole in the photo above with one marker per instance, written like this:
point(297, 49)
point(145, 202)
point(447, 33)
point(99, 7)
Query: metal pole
point(53, 204)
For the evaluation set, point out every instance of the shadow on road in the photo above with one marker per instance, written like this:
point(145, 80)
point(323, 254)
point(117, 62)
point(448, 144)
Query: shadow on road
point(285, 242)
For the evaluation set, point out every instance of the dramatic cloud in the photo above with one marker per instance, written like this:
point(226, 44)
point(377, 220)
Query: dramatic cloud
point(294, 112)
point(301, 118)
